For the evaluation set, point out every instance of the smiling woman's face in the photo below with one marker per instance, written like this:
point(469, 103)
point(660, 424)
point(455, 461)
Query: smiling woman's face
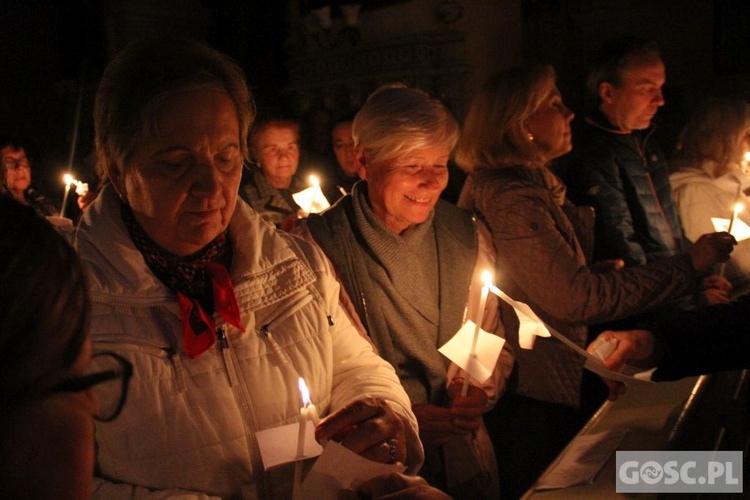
point(404, 190)
point(182, 186)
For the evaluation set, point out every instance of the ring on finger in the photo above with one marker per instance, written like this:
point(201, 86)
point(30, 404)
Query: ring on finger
point(393, 449)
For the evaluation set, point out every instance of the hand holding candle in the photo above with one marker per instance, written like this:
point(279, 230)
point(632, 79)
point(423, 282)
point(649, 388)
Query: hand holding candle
point(738, 207)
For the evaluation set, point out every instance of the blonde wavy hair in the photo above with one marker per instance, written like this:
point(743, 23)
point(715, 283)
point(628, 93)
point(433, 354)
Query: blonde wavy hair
point(494, 135)
point(712, 138)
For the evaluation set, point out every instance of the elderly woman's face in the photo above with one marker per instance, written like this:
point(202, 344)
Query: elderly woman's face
point(404, 190)
point(278, 152)
point(182, 186)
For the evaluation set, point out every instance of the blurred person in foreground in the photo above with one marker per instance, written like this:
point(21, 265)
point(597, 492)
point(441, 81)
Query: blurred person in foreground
point(219, 313)
point(516, 126)
point(412, 264)
point(47, 381)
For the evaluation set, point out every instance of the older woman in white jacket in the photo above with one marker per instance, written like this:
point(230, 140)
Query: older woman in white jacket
point(218, 312)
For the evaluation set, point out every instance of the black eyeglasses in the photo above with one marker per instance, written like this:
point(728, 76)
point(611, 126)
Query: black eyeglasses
point(109, 380)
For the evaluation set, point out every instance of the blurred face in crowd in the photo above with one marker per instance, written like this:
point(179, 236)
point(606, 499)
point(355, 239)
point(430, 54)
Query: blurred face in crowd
point(17, 170)
point(182, 186)
point(343, 146)
point(550, 126)
point(632, 104)
point(277, 150)
point(62, 426)
point(403, 191)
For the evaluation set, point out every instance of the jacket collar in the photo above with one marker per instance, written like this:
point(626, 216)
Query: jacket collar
point(264, 268)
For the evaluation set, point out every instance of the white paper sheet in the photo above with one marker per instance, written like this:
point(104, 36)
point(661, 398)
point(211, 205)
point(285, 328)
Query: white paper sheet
point(458, 350)
point(530, 325)
point(279, 444)
point(339, 468)
point(740, 230)
point(311, 200)
point(583, 459)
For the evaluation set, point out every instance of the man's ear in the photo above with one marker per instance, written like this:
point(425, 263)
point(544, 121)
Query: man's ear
point(606, 92)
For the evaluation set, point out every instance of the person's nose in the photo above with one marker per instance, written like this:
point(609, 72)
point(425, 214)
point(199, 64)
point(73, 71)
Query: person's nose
point(658, 98)
point(429, 178)
point(569, 115)
point(207, 183)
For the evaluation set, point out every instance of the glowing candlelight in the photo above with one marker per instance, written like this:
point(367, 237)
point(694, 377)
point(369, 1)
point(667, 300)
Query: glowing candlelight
point(307, 412)
point(738, 207)
point(316, 185)
point(68, 180)
point(487, 280)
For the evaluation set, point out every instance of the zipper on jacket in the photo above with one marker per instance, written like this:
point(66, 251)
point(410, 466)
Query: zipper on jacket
point(275, 347)
point(223, 345)
point(178, 368)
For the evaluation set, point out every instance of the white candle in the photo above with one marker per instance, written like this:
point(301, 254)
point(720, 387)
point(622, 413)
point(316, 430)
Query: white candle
point(68, 180)
point(307, 412)
point(487, 279)
point(737, 209)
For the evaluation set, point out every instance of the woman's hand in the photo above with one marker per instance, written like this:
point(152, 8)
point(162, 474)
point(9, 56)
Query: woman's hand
point(466, 411)
point(368, 427)
point(634, 347)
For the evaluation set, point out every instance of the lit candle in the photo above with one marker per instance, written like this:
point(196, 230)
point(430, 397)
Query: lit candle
point(487, 280)
point(737, 209)
point(68, 180)
point(307, 412)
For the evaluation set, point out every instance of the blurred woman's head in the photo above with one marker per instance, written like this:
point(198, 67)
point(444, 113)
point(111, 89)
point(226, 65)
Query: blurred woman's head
point(403, 140)
point(171, 122)
point(275, 147)
point(716, 136)
point(16, 169)
point(46, 438)
point(516, 119)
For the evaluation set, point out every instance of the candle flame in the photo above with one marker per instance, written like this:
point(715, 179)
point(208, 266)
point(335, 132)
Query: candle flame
point(68, 179)
point(487, 278)
point(739, 207)
point(314, 181)
point(747, 156)
point(304, 392)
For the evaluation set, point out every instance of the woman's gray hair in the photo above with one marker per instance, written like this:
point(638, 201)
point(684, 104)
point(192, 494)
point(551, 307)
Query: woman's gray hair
point(397, 120)
point(151, 69)
point(712, 137)
point(494, 133)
